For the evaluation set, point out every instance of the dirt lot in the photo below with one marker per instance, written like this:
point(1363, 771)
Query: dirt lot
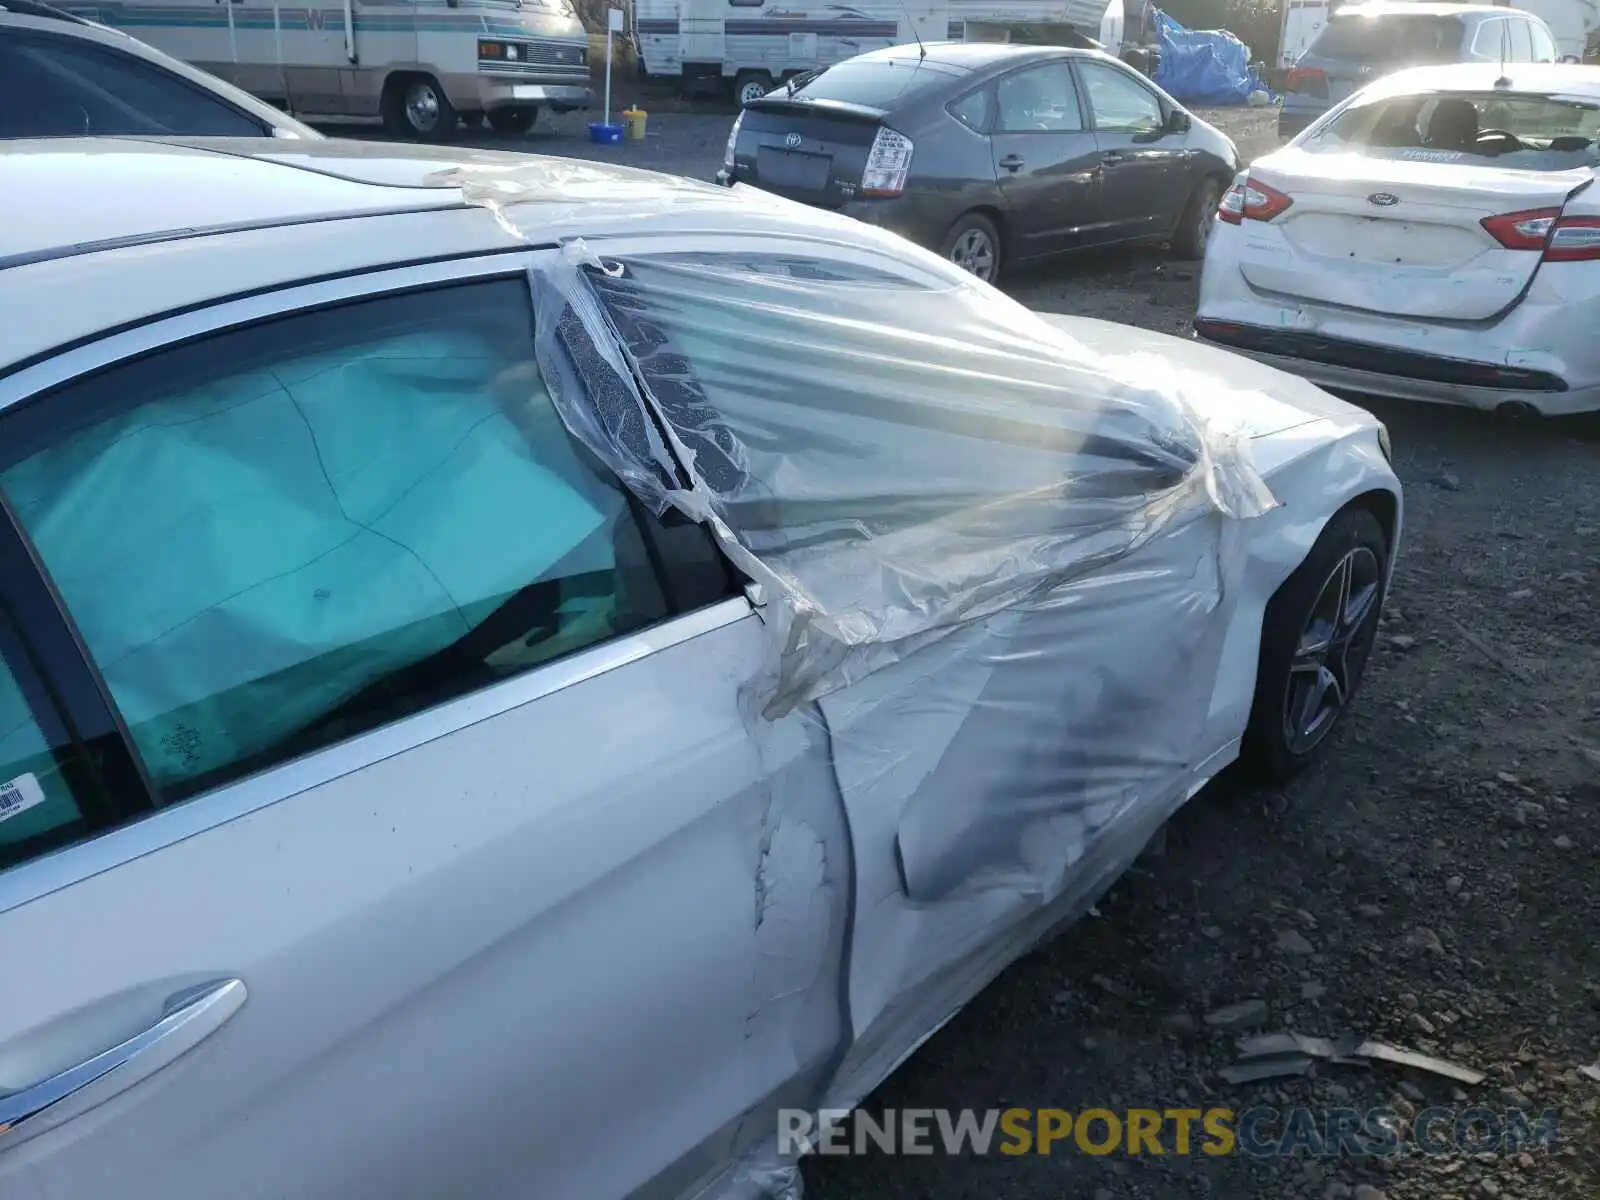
point(1434, 883)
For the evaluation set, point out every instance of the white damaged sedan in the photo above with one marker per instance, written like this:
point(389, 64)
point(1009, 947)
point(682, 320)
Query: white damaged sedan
point(1434, 237)
point(515, 672)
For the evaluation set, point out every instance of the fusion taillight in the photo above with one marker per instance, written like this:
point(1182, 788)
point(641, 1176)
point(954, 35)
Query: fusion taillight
point(1308, 81)
point(1545, 230)
point(1252, 200)
point(888, 164)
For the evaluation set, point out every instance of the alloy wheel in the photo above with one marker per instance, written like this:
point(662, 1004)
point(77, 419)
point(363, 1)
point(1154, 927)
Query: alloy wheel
point(973, 251)
point(1333, 650)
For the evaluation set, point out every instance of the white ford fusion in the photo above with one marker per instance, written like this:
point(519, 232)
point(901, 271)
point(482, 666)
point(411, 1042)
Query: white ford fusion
point(513, 673)
point(1434, 237)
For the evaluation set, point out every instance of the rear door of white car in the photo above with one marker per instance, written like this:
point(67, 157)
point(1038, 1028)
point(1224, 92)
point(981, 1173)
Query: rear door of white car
point(383, 824)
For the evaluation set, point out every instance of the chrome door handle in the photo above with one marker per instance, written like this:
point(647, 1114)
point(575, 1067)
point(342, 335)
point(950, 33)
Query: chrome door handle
point(1111, 158)
point(1012, 162)
point(189, 1018)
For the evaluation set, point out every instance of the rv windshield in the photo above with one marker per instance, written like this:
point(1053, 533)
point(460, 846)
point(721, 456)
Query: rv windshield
point(878, 83)
point(1511, 132)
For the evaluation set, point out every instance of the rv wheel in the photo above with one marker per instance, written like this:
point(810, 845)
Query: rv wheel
point(415, 107)
point(750, 86)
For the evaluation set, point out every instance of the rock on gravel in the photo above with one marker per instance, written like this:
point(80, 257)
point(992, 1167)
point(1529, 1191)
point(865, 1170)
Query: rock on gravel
point(1247, 1014)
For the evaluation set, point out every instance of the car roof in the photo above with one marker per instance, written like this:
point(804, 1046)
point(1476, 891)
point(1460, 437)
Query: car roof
point(969, 56)
point(118, 190)
point(100, 233)
point(44, 18)
point(1540, 79)
point(1425, 8)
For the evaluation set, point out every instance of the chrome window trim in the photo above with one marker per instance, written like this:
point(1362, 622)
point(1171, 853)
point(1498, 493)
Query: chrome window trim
point(165, 827)
point(213, 318)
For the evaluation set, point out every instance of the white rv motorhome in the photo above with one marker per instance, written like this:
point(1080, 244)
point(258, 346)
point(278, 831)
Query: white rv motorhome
point(423, 66)
point(1571, 22)
point(758, 43)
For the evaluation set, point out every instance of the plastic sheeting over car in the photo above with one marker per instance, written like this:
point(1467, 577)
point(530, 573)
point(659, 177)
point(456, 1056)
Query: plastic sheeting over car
point(1203, 66)
point(890, 462)
point(995, 565)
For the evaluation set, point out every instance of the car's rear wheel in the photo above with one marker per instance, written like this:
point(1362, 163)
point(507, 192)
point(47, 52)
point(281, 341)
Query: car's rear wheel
point(415, 107)
point(973, 244)
point(1194, 227)
point(750, 86)
point(1316, 637)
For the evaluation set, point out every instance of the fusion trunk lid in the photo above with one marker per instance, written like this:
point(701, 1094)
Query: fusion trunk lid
point(1404, 238)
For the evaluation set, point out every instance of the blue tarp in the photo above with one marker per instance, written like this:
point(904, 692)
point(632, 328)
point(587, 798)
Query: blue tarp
point(1203, 66)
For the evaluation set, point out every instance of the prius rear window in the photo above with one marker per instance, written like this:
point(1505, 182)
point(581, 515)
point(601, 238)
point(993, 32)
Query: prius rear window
point(876, 83)
point(1519, 133)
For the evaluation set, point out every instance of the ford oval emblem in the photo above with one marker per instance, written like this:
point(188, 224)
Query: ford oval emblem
point(1383, 199)
point(792, 141)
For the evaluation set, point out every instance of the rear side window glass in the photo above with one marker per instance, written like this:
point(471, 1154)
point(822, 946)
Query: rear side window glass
point(62, 87)
point(1503, 39)
point(1392, 38)
point(1544, 47)
point(972, 110)
point(285, 534)
point(1520, 133)
point(1038, 100)
point(874, 83)
point(1522, 39)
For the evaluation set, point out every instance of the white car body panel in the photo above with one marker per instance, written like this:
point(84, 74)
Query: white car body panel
point(586, 891)
point(1435, 284)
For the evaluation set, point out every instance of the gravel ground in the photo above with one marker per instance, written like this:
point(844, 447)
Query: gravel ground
point(1432, 883)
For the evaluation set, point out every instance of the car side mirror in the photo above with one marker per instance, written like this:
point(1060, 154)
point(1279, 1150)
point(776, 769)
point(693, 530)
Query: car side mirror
point(1178, 121)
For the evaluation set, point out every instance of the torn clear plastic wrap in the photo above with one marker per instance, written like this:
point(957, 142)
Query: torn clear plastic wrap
point(889, 461)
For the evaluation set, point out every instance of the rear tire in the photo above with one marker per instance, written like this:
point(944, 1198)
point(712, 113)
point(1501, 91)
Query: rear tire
point(973, 244)
point(1317, 633)
point(1199, 215)
point(416, 108)
point(512, 122)
point(750, 86)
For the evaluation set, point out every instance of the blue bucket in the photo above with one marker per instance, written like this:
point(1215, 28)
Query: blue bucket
point(605, 132)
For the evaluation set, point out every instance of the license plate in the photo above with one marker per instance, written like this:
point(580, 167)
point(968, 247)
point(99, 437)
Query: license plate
point(786, 169)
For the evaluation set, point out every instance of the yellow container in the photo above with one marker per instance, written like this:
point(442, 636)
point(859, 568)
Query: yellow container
point(633, 120)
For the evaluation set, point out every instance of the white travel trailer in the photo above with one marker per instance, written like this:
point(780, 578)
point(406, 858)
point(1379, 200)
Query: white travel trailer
point(423, 66)
point(758, 43)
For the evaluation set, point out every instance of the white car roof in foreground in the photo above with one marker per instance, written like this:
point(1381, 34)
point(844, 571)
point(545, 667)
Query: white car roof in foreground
point(1407, 8)
point(1539, 79)
point(97, 233)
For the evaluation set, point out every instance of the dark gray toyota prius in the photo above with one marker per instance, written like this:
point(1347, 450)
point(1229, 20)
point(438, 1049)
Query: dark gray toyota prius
point(991, 154)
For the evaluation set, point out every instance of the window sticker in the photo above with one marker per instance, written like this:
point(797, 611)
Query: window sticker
point(18, 795)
